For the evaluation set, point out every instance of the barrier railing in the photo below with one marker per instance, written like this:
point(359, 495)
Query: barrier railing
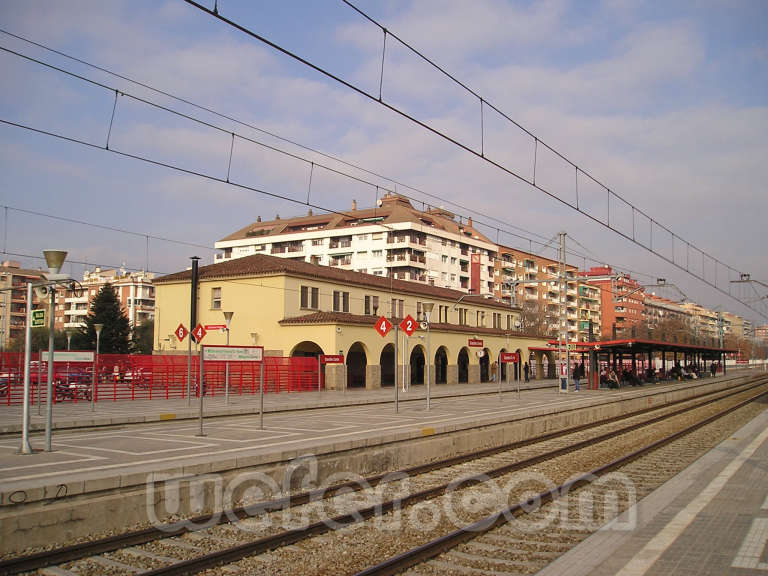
point(140, 377)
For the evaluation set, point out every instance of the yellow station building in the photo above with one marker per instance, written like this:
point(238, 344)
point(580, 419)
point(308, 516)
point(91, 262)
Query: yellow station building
point(295, 308)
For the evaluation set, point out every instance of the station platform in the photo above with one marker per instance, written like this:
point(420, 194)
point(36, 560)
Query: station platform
point(102, 470)
point(81, 414)
point(711, 519)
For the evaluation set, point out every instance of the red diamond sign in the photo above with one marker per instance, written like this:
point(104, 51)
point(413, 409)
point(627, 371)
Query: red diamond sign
point(199, 333)
point(383, 326)
point(181, 332)
point(408, 325)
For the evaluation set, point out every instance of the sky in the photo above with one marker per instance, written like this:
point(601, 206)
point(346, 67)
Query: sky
point(665, 104)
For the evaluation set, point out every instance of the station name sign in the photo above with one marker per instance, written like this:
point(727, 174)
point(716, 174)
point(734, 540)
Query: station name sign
point(475, 342)
point(233, 353)
point(332, 358)
point(65, 356)
point(512, 357)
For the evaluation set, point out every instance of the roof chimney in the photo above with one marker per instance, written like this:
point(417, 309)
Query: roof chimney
point(309, 212)
point(469, 221)
point(354, 205)
point(277, 216)
point(258, 219)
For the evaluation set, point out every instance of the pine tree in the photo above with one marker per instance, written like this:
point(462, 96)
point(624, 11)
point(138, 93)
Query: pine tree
point(106, 309)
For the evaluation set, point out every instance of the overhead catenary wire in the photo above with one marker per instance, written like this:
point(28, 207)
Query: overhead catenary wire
point(312, 164)
point(117, 92)
point(252, 126)
point(467, 148)
point(214, 112)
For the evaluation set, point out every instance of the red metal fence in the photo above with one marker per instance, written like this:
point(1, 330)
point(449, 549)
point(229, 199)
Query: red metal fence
point(139, 377)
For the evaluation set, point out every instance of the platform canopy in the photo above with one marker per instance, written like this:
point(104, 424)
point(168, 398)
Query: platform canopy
point(637, 346)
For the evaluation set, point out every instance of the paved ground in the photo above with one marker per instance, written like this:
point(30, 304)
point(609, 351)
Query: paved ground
point(711, 519)
point(239, 440)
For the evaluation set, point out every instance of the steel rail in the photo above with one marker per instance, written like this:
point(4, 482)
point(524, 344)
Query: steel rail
point(168, 530)
point(234, 553)
point(434, 548)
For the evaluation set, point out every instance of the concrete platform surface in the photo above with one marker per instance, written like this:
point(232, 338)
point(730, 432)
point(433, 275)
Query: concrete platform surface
point(711, 519)
point(82, 414)
point(96, 459)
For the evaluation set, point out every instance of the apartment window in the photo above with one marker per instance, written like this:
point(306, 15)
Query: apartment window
point(215, 298)
point(309, 297)
point(377, 253)
point(444, 258)
point(377, 236)
point(453, 260)
point(340, 301)
point(317, 242)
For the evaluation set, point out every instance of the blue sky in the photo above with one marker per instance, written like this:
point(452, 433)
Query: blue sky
point(665, 103)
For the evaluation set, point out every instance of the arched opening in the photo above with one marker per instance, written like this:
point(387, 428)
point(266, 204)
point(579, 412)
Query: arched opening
point(441, 366)
point(306, 349)
point(417, 365)
point(545, 366)
point(387, 365)
point(485, 363)
point(463, 366)
point(519, 365)
point(356, 363)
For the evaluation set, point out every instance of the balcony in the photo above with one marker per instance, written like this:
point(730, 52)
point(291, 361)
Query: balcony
point(341, 261)
point(337, 243)
point(414, 239)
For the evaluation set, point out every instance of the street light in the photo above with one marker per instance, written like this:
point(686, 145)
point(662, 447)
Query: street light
point(54, 259)
point(427, 307)
point(98, 328)
point(227, 319)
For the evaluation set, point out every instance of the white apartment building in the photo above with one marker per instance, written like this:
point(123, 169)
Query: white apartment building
point(134, 291)
point(394, 239)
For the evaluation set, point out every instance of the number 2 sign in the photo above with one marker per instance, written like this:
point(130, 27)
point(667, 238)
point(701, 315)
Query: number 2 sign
point(408, 325)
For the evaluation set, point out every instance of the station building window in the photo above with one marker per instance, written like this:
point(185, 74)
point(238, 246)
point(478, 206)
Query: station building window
point(309, 297)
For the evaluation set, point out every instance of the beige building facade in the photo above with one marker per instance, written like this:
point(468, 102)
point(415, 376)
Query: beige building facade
point(295, 308)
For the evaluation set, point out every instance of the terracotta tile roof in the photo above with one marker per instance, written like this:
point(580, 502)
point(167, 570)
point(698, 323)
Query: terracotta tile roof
point(265, 265)
point(331, 318)
point(394, 209)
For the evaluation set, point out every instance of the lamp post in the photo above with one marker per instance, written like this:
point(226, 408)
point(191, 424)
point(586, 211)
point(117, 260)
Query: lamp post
point(98, 328)
point(55, 260)
point(427, 307)
point(227, 319)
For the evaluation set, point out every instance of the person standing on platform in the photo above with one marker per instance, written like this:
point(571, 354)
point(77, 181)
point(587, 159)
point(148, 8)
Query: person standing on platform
point(713, 369)
point(494, 370)
point(577, 375)
point(526, 371)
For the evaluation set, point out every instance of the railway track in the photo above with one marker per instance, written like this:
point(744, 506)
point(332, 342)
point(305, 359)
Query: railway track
point(278, 525)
